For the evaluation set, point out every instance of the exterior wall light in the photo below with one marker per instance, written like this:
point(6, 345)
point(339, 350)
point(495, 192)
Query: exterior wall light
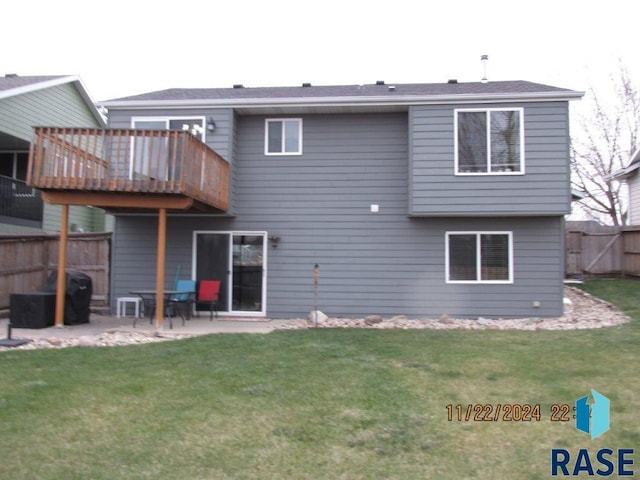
point(211, 125)
point(274, 240)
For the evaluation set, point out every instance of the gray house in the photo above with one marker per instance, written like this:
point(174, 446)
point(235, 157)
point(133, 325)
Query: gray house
point(414, 199)
point(27, 101)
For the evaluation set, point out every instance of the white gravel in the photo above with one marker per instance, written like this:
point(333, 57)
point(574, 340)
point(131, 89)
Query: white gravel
point(582, 311)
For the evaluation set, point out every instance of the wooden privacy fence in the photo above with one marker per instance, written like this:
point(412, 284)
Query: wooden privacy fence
point(603, 250)
point(26, 261)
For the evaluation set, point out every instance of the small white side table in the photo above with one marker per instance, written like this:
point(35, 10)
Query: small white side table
point(122, 305)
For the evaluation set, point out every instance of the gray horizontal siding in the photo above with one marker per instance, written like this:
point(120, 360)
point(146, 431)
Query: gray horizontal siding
point(319, 205)
point(436, 190)
point(384, 266)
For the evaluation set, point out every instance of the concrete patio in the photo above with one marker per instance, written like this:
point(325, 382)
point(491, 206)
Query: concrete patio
point(99, 324)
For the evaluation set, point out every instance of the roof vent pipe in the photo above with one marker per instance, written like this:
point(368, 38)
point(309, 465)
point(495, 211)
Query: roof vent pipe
point(484, 59)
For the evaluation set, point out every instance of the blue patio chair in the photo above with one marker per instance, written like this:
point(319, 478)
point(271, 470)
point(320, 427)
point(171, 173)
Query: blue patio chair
point(182, 303)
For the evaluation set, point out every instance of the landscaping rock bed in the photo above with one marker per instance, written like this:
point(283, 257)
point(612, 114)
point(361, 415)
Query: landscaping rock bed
point(582, 311)
point(110, 338)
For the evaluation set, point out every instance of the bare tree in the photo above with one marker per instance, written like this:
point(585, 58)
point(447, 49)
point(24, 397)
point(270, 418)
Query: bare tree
point(607, 138)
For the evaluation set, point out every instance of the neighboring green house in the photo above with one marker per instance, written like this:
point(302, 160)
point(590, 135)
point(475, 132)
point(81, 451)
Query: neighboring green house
point(31, 101)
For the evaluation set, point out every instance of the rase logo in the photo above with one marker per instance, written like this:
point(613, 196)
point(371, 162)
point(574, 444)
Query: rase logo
point(605, 463)
point(592, 417)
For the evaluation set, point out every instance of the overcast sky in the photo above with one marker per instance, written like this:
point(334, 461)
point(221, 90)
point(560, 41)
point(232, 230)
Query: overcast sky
point(125, 47)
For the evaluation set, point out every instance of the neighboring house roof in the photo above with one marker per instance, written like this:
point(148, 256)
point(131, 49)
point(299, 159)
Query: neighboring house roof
point(577, 195)
point(373, 94)
point(13, 85)
point(630, 169)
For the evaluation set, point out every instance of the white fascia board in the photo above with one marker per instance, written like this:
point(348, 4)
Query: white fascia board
point(626, 172)
point(347, 101)
point(84, 93)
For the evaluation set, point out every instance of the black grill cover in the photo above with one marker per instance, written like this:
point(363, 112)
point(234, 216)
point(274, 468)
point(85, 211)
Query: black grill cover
point(77, 301)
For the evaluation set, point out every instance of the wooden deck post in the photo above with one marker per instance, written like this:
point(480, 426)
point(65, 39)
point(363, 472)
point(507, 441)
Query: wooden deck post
point(162, 243)
point(62, 266)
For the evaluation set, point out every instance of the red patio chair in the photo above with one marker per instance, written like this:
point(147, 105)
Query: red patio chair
point(208, 292)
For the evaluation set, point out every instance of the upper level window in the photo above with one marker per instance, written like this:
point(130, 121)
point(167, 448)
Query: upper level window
point(479, 257)
point(283, 136)
point(489, 141)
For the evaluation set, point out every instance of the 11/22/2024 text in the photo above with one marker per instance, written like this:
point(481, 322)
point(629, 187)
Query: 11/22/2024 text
point(506, 412)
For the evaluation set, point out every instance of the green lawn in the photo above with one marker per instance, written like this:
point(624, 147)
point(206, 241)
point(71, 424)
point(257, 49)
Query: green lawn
point(316, 404)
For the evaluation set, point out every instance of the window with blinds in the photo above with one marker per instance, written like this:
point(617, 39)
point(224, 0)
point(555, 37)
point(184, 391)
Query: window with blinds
point(474, 257)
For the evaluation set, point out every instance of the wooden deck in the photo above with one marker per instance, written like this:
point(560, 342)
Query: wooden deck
point(127, 169)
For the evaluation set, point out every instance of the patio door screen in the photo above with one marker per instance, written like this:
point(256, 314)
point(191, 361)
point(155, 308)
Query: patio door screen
point(238, 260)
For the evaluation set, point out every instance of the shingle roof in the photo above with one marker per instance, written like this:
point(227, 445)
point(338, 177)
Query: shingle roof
point(387, 91)
point(9, 82)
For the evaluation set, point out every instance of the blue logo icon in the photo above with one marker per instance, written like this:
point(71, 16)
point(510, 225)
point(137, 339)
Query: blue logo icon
point(593, 417)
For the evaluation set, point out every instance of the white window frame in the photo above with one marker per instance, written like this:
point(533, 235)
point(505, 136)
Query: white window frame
point(478, 279)
point(167, 120)
point(231, 234)
point(282, 152)
point(488, 113)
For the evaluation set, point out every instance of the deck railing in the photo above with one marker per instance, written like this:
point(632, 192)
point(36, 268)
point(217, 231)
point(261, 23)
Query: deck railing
point(128, 160)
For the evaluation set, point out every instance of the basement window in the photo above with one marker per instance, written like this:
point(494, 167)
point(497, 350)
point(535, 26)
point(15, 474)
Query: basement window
point(479, 257)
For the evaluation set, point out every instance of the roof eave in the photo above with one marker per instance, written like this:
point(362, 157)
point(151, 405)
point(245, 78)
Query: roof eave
point(625, 173)
point(84, 93)
point(405, 100)
point(629, 170)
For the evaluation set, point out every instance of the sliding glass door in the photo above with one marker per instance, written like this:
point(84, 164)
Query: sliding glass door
point(147, 152)
point(212, 263)
point(238, 260)
point(151, 156)
point(248, 267)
